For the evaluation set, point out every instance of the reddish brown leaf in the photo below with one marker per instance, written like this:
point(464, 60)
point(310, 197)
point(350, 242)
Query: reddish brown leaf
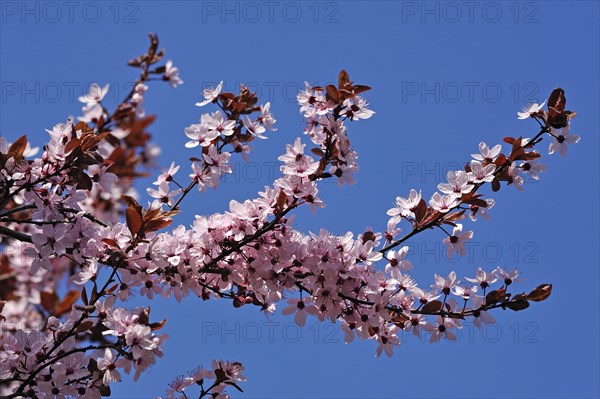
point(84, 297)
point(495, 185)
point(17, 148)
point(517, 154)
point(333, 94)
point(318, 152)
point(556, 102)
point(517, 305)
point(141, 124)
point(110, 242)
point(151, 214)
point(541, 293)
point(281, 200)
point(420, 211)
point(48, 300)
point(65, 305)
point(156, 224)
point(361, 89)
point(112, 289)
point(432, 307)
point(168, 214)
point(517, 144)
point(84, 181)
point(104, 389)
point(343, 79)
point(130, 201)
point(500, 160)
point(476, 201)
point(83, 127)
point(495, 296)
point(158, 325)
point(85, 326)
point(134, 220)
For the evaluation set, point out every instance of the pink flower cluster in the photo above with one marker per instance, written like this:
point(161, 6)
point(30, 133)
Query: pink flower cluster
point(76, 370)
point(222, 373)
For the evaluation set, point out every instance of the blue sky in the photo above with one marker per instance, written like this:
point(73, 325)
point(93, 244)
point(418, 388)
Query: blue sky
point(445, 75)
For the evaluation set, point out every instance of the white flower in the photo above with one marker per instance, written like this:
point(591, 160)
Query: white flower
point(210, 94)
point(530, 110)
point(458, 184)
point(217, 122)
point(534, 168)
point(172, 74)
point(266, 117)
point(482, 278)
point(464, 292)
point(515, 178)
point(457, 241)
point(95, 94)
point(200, 135)
point(480, 173)
point(109, 366)
point(397, 262)
point(443, 203)
point(404, 206)
point(445, 284)
point(561, 138)
point(255, 128)
point(89, 272)
point(487, 153)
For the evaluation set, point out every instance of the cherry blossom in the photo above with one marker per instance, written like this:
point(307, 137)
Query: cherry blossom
point(255, 127)
point(442, 328)
point(445, 284)
point(300, 309)
point(266, 118)
point(404, 206)
point(458, 184)
point(482, 174)
point(456, 241)
point(397, 261)
point(466, 292)
point(562, 138)
point(210, 95)
point(483, 212)
point(172, 74)
point(164, 194)
point(200, 134)
point(443, 203)
point(87, 273)
point(487, 154)
point(509, 276)
point(483, 278)
point(95, 94)
point(530, 110)
point(110, 364)
point(216, 122)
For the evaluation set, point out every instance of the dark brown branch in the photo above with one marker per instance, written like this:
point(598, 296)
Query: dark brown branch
point(5, 231)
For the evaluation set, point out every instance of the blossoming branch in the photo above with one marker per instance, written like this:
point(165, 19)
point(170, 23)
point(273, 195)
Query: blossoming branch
point(72, 215)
